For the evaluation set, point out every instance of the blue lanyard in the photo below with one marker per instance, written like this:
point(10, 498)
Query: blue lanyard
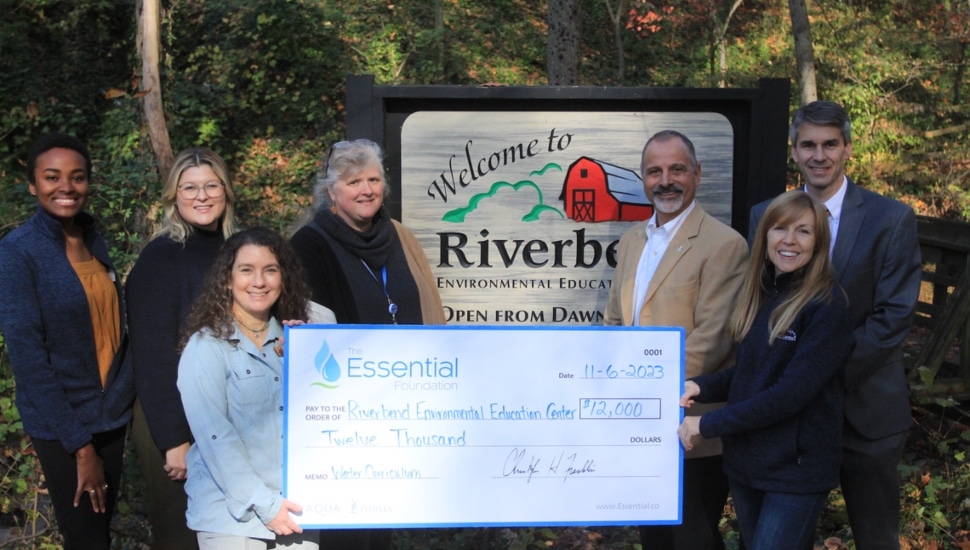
point(391, 306)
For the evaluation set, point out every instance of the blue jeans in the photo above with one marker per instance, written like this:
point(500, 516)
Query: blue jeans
point(705, 492)
point(776, 520)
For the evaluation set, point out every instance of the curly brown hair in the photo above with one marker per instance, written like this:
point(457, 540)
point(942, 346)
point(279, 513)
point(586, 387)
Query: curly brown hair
point(213, 309)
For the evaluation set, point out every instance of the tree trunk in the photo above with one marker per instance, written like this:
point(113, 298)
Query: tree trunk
point(616, 17)
point(439, 36)
point(956, 25)
point(720, 39)
point(961, 63)
point(804, 51)
point(562, 54)
point(722, 64)
point(150, 47)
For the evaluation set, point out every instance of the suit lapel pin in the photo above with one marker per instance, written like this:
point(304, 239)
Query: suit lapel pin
point(680, 248)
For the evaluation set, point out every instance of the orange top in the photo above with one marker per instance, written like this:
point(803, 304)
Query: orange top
point(105, 312)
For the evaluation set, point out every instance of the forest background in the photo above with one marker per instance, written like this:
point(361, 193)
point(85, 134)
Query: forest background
point(262, 83)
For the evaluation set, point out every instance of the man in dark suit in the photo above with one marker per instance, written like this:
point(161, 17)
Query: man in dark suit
point(682, 268)
point(876, 257)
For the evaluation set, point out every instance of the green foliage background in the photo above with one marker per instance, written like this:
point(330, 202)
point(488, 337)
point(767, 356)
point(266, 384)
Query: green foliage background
point(262, 83)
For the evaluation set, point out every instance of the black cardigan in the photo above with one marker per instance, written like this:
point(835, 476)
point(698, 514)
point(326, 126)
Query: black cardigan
point(160, 289)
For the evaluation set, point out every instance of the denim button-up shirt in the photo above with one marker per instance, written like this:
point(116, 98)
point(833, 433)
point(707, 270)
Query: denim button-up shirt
point(232, 392)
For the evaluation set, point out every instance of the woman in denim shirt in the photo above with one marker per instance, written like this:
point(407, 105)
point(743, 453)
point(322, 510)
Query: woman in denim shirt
point(231, 382)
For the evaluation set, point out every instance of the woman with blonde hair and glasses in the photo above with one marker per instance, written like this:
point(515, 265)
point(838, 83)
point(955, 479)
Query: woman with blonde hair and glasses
point(782, 425)
point(197, 204)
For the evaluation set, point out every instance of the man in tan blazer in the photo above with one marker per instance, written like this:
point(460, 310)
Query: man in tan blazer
point(682, 268)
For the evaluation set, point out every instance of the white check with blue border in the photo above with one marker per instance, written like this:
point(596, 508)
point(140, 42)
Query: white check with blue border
point(397, 426)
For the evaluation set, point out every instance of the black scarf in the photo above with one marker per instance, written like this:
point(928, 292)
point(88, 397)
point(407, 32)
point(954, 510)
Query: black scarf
point(373, 246)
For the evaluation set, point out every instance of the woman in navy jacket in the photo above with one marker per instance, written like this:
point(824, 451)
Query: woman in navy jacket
point(782, 426)
point(63, 320)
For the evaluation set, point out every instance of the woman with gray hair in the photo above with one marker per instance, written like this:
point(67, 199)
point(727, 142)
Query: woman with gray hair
point(366, 267)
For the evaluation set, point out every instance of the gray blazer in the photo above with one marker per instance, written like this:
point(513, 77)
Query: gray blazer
point(877, 262)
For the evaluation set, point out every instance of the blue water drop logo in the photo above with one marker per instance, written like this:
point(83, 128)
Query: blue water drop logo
point(327, 366)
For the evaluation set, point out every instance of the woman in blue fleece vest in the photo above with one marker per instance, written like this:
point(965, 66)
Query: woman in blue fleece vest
point(63, 319)
point(782, 425)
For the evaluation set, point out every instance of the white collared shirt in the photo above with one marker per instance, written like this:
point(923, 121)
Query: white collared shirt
point(657, 240)
point(834, 206)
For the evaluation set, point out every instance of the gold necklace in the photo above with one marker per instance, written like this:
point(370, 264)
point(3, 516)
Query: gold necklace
point(254, 331)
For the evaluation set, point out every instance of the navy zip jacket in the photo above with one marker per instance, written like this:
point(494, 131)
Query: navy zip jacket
point(46, 324)
point(782, 426)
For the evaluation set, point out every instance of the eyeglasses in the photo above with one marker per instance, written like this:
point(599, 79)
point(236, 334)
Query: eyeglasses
point(213, 190)
point(335, 146)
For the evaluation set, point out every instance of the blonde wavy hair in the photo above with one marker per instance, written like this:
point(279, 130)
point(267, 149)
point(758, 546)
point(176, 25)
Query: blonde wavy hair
point(173, 226)
point(811, 282)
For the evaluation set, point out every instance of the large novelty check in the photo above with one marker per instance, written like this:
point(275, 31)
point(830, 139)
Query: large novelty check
point(392, 426)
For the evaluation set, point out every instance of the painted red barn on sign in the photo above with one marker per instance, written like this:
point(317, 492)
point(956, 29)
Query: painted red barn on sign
point(596, 191)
